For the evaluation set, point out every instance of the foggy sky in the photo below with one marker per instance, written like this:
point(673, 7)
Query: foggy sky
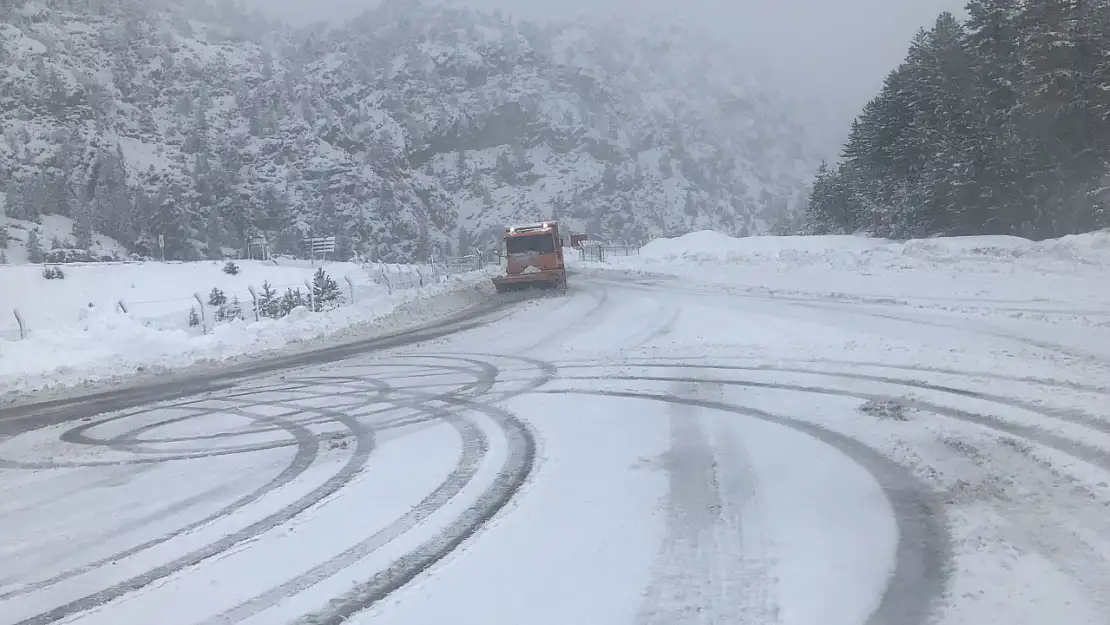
point(833, 51)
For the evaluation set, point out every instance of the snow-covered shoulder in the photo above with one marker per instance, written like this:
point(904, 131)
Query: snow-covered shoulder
point(104, 324)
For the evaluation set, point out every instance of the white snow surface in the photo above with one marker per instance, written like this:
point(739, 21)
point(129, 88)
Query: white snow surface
point(77, 333)
point(771, 431)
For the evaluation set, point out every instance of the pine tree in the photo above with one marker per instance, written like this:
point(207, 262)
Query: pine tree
point(5, 236)
point(232, 310)
point(293, 298)
point(194, 318)
point(216, 297)
point(269, 304)
point(1002, 127)
point(82, 230)
point(35, 253)
point(325, 291)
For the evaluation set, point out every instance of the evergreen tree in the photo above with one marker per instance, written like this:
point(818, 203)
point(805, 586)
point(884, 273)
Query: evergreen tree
point(216, 297)
point(82, 230)
point(293, 298)
point(35, 253)
point(233, 310)
point(999, 127)
point(325, 291)
point(269, 304)
point(5, 236)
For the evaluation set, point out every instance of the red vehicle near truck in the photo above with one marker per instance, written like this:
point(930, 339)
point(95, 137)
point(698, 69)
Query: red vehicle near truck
point(533, 258)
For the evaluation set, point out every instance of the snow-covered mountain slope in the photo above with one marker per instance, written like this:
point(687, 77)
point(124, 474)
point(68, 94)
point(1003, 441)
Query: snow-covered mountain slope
point(413, 130)
point(52, 232)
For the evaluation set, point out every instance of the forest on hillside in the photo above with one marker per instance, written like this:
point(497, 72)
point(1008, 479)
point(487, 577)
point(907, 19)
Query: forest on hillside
point(996, 125)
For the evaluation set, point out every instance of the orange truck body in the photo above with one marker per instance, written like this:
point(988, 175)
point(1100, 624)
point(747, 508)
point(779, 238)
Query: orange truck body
point(533, 258)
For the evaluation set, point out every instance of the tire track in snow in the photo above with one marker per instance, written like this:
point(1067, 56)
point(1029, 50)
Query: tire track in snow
point(852, 307)
point(923, 553)
point(307, 445)
point(409, 398)
point(459, 478)
point(307, 451)
point(363, 438)
point(518, 466)
point(709, 569)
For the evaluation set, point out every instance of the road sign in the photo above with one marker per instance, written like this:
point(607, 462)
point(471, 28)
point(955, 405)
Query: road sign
point(318, 245)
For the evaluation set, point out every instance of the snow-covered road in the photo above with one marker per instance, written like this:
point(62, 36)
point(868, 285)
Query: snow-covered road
point(641, 451)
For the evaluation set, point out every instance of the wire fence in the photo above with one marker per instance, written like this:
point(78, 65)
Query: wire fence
point(198, 313)
point(599, 251)
point(397, 277)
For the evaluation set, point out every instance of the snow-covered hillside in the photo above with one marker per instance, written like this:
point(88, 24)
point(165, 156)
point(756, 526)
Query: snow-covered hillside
point(412, 129)
point(52, 232)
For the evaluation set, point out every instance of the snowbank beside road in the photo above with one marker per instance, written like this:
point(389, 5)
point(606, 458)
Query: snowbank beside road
point(106, 345)
point(852, 252)
point(1068, 273)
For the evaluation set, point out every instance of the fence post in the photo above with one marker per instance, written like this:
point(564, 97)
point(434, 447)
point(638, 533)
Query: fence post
point(203, 316)
point(254, 300)
point(385, 277)
point(350, 284)
point(22, 326)
point(311, 300)
point(122, 306)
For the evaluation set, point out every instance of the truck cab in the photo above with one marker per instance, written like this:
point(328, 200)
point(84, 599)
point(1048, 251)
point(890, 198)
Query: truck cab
point(533, 257)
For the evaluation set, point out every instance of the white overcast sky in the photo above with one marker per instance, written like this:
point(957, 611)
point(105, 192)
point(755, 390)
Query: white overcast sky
point(834, 51)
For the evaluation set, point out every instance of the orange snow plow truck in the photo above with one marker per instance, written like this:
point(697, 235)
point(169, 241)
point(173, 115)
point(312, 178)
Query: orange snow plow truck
point(533, 258)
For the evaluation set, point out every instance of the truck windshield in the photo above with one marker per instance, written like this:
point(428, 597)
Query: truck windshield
point(532, 244)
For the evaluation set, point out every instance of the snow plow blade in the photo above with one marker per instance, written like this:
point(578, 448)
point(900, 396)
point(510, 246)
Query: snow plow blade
point(539, 280)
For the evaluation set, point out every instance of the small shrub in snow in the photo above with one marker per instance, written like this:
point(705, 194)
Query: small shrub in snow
point(3, 257)
point(292, 299)
point(56, 243)
point(325, 292)
point(234, 310)
point(53, 273)
point(194, 318)
point(231, 268)
point(70, 255)
point(229, 311)
point(5, 236)
point(269, 304)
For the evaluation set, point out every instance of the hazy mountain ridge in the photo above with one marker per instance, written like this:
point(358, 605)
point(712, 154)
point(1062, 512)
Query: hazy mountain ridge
point(413, 129)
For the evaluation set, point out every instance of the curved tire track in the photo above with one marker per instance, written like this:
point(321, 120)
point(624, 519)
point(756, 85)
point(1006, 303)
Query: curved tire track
point(923, 552)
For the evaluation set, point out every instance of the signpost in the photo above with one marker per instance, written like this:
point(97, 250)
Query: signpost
point(319, 245)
